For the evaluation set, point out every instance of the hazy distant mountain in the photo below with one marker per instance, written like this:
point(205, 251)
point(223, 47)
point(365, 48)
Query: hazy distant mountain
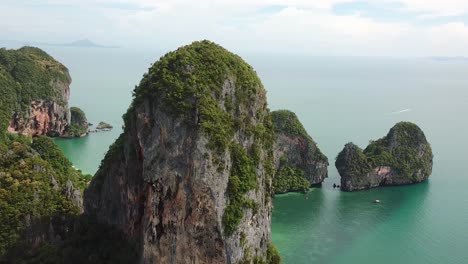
point(83, 43)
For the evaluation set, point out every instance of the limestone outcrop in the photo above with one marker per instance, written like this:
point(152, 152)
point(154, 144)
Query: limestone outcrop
point(402, 157)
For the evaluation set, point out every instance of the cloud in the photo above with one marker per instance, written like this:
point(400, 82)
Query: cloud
point(437, 8)
point(293, 26)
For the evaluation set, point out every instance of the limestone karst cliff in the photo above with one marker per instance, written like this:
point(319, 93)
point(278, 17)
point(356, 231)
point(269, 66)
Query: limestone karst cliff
point(35, 90)
point(190, 179)
point(403, 156)
point(299, 163)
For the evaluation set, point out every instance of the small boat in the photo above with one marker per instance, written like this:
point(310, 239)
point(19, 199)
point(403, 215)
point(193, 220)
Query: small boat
point(376, 201)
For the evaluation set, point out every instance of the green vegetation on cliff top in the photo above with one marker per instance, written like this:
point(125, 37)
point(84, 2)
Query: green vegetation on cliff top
point(399, 150)
point(182, 79)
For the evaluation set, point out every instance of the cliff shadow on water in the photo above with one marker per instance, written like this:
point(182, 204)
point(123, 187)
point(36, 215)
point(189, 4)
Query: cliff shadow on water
point(326, 226)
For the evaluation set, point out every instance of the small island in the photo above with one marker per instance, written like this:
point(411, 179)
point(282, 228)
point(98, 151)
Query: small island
point(402, 157)
point(102, 126)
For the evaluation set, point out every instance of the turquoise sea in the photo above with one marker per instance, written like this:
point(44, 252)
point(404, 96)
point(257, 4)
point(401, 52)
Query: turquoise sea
point(338, 99)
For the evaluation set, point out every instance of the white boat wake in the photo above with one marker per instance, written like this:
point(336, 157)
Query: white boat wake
point(402, 111)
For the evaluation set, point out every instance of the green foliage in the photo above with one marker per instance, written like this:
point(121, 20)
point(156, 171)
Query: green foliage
point(273, 256)
point(182, 77)
point(32, 181)
point(406, 134)
point(74, 130)
point(49, 151)
point(287, 122)
point(352, 161)
point(8, 100)
point(217, 124)
point(243, 239)
point(290, 179)
point(243, 178)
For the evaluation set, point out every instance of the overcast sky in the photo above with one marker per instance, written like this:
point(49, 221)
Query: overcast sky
point(317, 27)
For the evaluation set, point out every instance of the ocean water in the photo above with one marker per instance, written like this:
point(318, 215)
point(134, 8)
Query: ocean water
point(338, 99)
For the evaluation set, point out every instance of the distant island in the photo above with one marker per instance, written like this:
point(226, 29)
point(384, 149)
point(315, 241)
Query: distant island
point(85, 43)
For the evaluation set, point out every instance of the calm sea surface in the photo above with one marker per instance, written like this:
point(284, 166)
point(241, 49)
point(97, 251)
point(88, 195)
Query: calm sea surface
point(338, 99)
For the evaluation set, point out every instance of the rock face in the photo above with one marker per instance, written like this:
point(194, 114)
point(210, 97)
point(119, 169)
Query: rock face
point(36, 89)
point(189, 180)
point(402, 157)
point(44, 118)
point(74, 195)
point(294, 148)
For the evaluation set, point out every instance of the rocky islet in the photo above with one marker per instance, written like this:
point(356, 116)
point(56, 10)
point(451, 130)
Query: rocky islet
point(402, 157)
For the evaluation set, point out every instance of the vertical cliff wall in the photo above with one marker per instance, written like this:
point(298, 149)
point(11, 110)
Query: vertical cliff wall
point(190, 179)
